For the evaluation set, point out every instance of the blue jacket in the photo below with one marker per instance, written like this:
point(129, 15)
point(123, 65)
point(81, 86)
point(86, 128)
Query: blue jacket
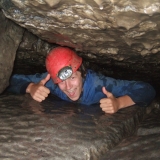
point(140, 92)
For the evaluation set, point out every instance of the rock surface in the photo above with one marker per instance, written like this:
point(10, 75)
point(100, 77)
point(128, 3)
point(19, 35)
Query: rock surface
point(145, 145)
point(11, 35)
point(55, 129)
point(121, 30)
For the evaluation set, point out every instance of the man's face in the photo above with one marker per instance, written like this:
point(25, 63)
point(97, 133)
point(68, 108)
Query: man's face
point(72, 86)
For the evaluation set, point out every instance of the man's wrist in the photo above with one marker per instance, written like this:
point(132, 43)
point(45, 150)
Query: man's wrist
point(120, 103)
point(124, 101)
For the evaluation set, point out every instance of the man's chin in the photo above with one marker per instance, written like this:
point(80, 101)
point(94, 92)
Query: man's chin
point(73, 98)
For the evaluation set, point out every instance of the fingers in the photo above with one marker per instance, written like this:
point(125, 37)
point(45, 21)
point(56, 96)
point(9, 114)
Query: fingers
point(105, 102)
point(109, 110)
point(39, 97)
point(108, 94)
point(104, 90)
point(43, 90)
point(39, 91)
point(108, 104)
point(40, 94)
point(45, 80)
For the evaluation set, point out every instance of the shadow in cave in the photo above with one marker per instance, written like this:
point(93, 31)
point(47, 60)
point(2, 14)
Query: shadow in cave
point(140, 71)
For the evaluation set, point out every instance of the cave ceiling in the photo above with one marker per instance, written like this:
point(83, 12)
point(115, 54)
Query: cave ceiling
point(123, 30)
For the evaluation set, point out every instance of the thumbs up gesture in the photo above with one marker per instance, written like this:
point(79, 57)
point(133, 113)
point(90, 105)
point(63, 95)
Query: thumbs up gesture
point(110, 104)
point(38, 91)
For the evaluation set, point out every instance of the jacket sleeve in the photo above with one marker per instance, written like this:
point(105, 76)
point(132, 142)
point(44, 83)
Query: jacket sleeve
point(141, 93)
point(19, 83)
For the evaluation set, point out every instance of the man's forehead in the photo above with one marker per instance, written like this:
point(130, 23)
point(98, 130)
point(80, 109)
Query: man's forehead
point(76, 73)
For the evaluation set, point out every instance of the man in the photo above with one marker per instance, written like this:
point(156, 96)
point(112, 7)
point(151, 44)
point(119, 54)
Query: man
point(67, 78)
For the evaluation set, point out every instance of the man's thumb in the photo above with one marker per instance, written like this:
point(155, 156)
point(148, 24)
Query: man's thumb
point(108, 94)
point(45, 80)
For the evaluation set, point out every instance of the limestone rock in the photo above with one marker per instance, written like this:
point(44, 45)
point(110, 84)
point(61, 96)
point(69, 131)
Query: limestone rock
point(11, 35)
point(114, 29)
point(59, 130)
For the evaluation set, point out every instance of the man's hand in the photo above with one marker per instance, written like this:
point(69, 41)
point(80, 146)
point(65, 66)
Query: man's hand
point(38, 91)
point(109, 104)
point(112, 104)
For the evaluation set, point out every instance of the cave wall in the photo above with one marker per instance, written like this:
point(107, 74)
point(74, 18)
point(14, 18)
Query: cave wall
point(11, 35)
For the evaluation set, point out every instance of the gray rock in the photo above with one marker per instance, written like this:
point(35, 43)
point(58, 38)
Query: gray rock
point(119, 30)
point(139, 148)
point(55, 129)
point(11, 35)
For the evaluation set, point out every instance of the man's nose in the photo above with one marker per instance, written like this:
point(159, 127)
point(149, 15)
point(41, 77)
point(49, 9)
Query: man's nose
point(68, 84)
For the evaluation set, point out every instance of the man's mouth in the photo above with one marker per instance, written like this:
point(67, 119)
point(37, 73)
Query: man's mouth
point(71, 93)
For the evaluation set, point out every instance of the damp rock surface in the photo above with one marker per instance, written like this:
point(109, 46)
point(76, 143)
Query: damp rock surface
point(58, 130)
point(145, 145)
point(137, 147)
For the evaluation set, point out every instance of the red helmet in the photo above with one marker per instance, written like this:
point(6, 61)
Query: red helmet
point(61, 62)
